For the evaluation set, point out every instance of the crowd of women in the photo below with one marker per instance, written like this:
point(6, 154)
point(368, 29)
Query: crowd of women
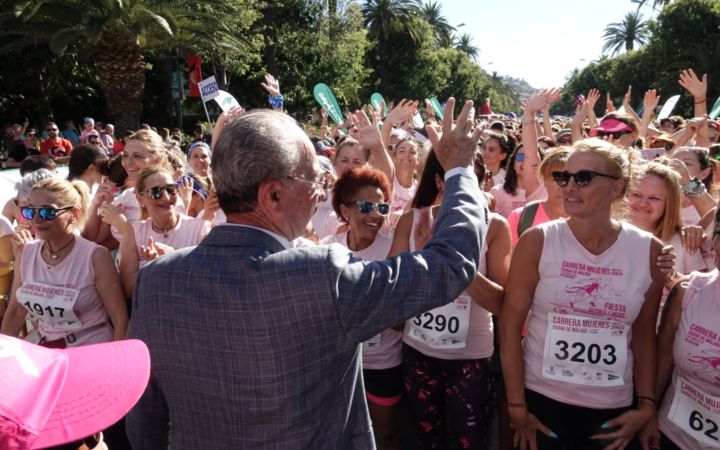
point(593, 319)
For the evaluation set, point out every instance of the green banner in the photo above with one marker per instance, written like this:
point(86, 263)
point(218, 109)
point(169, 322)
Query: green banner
point(378, 102)
point(326, 99)
point(437, 108)
point(715, 111)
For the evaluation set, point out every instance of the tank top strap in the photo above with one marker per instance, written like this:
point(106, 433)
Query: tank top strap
point(697, 282)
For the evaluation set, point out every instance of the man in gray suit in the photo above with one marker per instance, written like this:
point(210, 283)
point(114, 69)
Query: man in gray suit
point(255, 345)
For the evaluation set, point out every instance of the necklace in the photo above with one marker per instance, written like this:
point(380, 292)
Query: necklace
point(163, 231)
point(55, 255)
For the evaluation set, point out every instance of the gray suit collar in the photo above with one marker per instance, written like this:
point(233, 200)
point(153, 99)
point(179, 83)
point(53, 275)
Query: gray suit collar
point(234, 236)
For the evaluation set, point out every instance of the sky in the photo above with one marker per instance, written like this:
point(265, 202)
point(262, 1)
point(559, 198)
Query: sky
point(541, 41)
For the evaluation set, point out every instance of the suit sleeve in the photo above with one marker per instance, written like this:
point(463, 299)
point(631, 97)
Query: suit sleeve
point(372, 296)
point(148, 423)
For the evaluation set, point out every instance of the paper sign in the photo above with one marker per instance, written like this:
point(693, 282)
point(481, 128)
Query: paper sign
point(379, 103)
point(326, 99)
point(208, 89)
point(668, 107)
point(226, 101)
point(437, 108)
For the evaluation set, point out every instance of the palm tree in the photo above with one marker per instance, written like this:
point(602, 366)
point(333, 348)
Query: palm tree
point(465, 45)
point(431, 12)
point(633, 29)
point(116, 34)
point(382, 17)
point(656, 4)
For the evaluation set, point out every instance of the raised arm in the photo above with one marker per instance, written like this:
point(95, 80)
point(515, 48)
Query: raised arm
point(650, 102)
point(589, 105)
point(369, 136)
point(534, 104)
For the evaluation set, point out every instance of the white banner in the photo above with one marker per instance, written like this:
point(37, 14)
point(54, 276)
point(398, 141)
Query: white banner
point(226, 101)
point(208, 89)
point(668, 107)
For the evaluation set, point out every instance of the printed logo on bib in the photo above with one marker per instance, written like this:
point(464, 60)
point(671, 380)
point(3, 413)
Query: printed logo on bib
point(705, 363)
point(591, 290)
point(696, 413)
point(52, 305)
point(443, 327)
point(372, 344)
point(585, 350)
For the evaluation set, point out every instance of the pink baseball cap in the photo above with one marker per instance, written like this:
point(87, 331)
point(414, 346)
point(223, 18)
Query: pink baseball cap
point(610, 126)
point(52, 397)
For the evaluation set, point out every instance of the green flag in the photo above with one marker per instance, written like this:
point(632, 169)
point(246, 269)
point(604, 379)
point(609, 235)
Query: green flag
point(326, 99)
point(437, 108)
point(378, 102)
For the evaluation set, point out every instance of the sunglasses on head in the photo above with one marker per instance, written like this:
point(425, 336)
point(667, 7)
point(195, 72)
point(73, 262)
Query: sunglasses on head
point(615, 134)
point(156, 192)
point(582, 177)
point(45, 212)
point(367, 207)
point(520, 157)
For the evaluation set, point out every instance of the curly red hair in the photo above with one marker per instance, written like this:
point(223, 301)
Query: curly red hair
point(356, 179)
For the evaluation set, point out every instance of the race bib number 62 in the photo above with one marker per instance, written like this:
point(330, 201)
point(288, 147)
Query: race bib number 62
point(696, 413)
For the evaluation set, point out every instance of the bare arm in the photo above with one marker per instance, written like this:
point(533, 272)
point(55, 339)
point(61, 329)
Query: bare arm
point(487, 291)
point(401, 238)
point(650, 102)
point(371, 138)
point(666, 338)
point(107, 283)
point(14, 317)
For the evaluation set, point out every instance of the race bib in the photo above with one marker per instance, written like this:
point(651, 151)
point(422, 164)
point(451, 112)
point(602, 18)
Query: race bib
point(585, 350)
point(696, 413)
point(372, 344)
point(443, 327)
point(52, 305)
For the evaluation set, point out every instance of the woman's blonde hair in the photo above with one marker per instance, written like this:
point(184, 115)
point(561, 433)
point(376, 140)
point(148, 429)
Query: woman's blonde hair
point(616, 158)
point(152, 141)
point(671, 221)
point(140, 183)
point(68, 193)
point(554, 159)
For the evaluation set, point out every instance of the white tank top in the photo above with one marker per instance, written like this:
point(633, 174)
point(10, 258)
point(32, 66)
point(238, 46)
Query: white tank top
point(576, 349)
point(433, 336)
point(188, 232)
point(63, 298)
point(402, 196)
point(690, 410)
point(384, 350)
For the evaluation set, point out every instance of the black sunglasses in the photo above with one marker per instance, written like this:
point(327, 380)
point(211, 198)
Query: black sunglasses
point(582, 177)
point(615, 134)
point(367, 207)
point(45, 212)
point(157, 191)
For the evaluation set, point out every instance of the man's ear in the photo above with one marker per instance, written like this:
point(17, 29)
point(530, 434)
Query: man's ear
point(270, 193)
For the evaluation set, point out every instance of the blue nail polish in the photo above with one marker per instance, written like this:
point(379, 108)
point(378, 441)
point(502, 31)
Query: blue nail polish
point(605, 426)
point(553, 435)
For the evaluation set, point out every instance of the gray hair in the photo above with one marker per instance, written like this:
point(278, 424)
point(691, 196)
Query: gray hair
point(254, 148)
point(25, 185)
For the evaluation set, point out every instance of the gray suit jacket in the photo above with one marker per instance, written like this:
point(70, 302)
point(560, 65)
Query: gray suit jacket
point(256, 347)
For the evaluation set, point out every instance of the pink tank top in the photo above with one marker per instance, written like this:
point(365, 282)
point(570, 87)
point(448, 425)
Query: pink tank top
point(63, 298)
point(188, 232)
point(384, 350)
point(690, 410)
point(475, 340)
point(576, 349)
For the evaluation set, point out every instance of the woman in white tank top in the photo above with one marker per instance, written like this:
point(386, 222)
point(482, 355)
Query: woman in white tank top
point(68, 284)
point(592, 289)
point(161, 229)
point(447, 350)
point(688, 379)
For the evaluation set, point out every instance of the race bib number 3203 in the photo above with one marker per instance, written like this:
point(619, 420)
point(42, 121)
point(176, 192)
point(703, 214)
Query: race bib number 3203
point(585, 350)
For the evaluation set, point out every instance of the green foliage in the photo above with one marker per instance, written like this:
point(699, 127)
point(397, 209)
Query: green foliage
point(686, 34)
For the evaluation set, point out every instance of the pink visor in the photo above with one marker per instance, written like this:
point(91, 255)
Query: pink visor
point(52, 397)
point(610, 126)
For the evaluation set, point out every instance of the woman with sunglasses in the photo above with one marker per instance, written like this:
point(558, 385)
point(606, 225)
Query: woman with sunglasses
point(583, 376)
point(68, 284)
point(161, 228)
point(447, 351)
point(361, 199)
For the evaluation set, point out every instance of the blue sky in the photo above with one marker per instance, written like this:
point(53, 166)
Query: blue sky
point(541, 41)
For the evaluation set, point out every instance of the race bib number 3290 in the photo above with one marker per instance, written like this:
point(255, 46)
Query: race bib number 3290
point(585, 350)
